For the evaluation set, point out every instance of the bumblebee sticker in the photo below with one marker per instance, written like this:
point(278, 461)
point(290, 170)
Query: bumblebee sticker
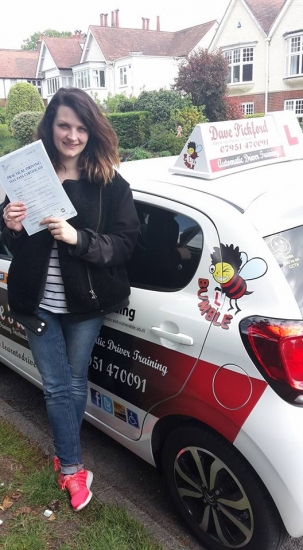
point(231, 269)
point(190, 158)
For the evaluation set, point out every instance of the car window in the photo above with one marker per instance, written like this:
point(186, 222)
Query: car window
point(3, 250)
point(287, 248)
point(168, 250)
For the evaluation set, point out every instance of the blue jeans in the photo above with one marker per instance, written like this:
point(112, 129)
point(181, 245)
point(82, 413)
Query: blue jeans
point(62, 356)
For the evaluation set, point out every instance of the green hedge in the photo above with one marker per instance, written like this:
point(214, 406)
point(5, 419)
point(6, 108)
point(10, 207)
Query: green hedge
point(132, 129)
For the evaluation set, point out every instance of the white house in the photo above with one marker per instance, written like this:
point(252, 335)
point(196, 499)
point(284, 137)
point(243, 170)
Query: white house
point(55, 61)
point(17, 66)
point(263, 43)
point(118, 60)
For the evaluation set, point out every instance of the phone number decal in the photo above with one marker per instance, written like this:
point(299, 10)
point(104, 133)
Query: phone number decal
point(117, 373)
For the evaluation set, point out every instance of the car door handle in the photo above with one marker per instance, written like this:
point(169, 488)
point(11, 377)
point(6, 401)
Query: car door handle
point(173, 337)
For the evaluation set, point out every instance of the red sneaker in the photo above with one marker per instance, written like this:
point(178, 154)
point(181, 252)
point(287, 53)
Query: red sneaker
point(78, 486)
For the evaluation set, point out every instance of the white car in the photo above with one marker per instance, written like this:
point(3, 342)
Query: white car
point(202, 374)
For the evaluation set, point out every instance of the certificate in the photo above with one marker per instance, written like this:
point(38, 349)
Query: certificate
point(27, 175)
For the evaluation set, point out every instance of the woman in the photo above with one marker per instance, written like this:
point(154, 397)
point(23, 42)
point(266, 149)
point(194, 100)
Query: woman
point(64, 279)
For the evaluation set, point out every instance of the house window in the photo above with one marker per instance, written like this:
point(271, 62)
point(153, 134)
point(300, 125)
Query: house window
point(98, 79)
point(37, 84)
point(52, 85)
point(247, 108)
point(294, 56)
point(240, 62)
point(82, 79)
point(67, 81)
point(295, 105)
point(123, 76)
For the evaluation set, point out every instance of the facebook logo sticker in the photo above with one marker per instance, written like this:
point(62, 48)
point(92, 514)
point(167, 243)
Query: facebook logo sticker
point(95, 397)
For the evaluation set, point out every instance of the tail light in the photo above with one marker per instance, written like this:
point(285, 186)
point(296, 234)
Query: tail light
point(276, 348)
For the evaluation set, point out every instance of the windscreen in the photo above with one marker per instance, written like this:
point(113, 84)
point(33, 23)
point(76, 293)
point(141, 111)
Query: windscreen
point(287, 248)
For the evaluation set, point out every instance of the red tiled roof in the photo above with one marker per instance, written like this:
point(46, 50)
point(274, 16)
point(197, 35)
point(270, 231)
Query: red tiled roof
point(116, 42)
point(265, 11)
point(18, 63)
point(64, 51)
point(184, 41)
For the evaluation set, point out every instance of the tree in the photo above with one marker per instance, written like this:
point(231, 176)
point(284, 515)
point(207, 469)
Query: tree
point(160, 104)
point(203, 76)
point(31, 43)
point(22, 97)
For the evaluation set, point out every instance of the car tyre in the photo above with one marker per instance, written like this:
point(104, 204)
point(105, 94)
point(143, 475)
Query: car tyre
point(218, 494)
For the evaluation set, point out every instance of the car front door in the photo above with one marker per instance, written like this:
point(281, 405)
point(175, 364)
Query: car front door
point(147, 351)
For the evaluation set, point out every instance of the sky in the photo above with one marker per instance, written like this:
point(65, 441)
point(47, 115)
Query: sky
point(22, 18)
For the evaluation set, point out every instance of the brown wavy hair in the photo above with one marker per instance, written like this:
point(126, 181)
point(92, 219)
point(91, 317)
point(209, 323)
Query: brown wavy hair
point(100, 156)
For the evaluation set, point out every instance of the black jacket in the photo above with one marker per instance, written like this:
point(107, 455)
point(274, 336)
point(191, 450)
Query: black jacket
point(93, 271)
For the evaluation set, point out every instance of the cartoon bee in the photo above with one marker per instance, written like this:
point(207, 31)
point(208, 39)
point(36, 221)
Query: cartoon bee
point(231, 268)
point(190, 158)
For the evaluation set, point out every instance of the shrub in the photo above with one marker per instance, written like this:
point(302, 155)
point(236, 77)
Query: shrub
point(132, 129)
point(7, 142)
point(161, 103)
point(136, 153)
point(233, 108)
point(2, 115)
point(255, 115)
point(164, 139)
point(187, 118)
point(24, 126)
point(22, 97)
point(119, 103)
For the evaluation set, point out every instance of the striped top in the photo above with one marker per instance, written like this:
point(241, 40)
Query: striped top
point(54, 294)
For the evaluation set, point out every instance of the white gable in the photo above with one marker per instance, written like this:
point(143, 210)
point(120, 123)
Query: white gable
point(91, 50)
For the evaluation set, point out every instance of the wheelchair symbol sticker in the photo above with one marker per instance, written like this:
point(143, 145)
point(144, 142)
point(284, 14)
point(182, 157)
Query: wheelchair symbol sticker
point(132, 418)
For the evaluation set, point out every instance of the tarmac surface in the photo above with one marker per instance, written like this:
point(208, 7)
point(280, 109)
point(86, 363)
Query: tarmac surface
point(119, 476)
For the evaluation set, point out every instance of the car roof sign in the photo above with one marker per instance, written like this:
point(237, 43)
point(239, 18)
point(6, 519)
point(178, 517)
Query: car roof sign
point(215, 149)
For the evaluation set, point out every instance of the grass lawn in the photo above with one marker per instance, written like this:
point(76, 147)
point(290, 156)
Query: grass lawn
point(28, 487)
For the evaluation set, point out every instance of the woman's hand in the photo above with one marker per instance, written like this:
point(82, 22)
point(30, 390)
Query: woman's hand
point(13, 214)
point(60, 230)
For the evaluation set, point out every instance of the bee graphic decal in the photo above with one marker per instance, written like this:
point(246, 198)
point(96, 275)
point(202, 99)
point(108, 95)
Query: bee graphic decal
point(231, 269)
point(190, 158)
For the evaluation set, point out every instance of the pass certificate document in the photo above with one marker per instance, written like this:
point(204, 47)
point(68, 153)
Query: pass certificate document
point(27, 175)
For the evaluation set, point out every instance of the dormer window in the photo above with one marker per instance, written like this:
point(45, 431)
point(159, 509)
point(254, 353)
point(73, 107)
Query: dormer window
point(294, 55)
point(240, 62)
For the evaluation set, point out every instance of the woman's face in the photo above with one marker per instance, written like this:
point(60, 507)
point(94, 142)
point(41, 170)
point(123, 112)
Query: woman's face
point(70, 135)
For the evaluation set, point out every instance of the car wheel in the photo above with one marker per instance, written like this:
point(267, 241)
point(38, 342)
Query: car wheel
point(218, 494)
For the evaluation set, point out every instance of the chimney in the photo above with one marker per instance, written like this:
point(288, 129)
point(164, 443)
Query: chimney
point(105, 19)
point(143, 23)
point(158, 22)
point(102, 20)
point(117, 18)
point(113, 19)
point(147, 24)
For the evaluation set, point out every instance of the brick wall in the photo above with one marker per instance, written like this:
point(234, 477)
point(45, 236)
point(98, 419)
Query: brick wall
point(275, 100)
